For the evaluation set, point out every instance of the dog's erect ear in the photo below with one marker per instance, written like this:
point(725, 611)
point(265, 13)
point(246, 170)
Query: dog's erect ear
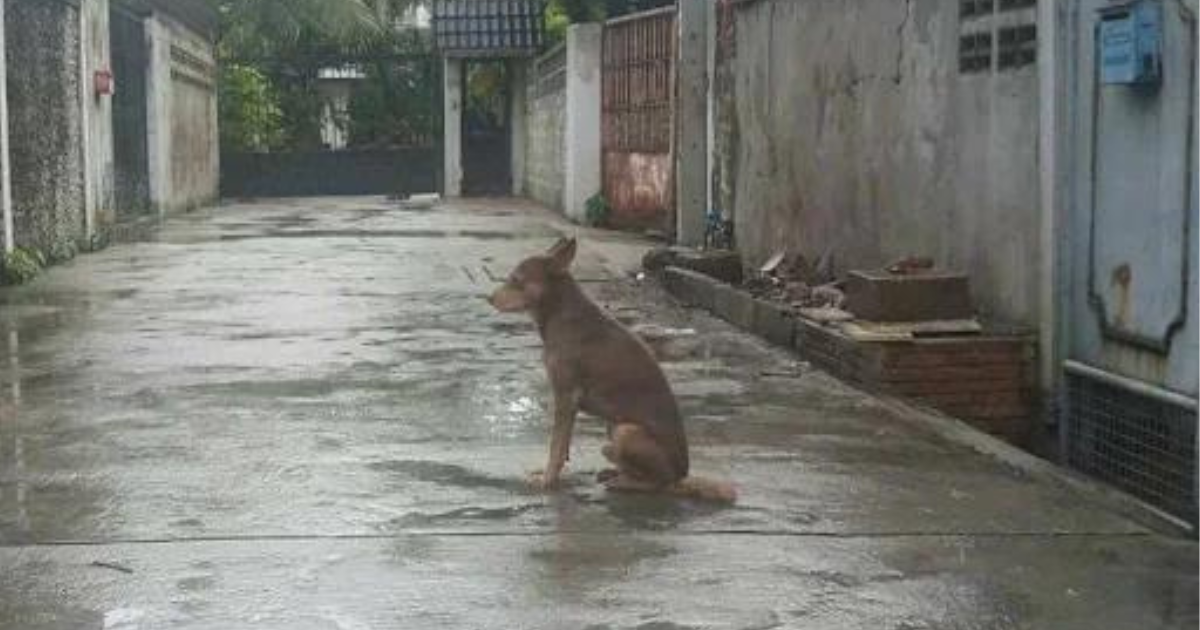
point(559, 244)
point(562, 254)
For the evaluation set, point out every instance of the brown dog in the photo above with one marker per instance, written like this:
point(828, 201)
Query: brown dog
point(598, 366)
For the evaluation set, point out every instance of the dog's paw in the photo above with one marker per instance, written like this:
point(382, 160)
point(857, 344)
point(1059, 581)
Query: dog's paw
point(539, 480)
point(606, 475)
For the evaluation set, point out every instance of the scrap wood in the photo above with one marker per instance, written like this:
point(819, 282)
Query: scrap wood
point(910, 265)
point(899, 331)
point(825, 314)
point(773, 263)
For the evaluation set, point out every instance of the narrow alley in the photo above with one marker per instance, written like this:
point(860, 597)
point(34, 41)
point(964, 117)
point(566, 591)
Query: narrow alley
point(302, 414)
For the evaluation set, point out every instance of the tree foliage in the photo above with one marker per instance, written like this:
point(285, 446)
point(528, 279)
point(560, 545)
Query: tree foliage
point(251, 119)
point(562, 13)
point(277, 48)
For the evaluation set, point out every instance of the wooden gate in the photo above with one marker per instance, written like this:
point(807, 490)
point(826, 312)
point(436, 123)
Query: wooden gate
point(637, 112)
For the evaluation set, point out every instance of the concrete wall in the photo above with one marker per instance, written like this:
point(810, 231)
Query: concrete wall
point(546, 102)
point(47, 159)
point(184, 144)
point(562, 166)
point(855, 132)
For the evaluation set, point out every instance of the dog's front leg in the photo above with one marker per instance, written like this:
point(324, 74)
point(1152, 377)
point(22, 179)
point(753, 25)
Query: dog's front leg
point(566, 406)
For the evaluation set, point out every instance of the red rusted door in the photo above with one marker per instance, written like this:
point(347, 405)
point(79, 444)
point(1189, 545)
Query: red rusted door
point(637, 112)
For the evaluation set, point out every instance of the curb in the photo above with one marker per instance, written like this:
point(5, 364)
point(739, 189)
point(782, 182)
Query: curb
point(959, 432)
point(770, 321)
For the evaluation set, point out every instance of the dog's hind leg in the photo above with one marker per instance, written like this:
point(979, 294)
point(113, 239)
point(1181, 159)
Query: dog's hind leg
point(642, 465)
point(609, 451)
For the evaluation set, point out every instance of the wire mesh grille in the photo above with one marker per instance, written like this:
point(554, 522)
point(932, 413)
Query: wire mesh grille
point(1142, 445)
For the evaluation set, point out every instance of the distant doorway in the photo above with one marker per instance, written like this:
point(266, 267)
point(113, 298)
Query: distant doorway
point(487, 154)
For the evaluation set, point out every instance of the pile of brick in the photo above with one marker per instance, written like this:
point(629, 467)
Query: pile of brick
point(906, 330)
point(985, 379)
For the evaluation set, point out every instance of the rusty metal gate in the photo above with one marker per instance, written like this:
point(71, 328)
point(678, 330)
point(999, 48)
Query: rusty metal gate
point(637, 113)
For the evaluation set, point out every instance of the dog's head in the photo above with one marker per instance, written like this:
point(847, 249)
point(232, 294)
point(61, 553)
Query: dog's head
point(527, 284)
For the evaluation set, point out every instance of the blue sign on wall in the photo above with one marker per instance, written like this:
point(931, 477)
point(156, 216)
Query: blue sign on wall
point(1129, 42)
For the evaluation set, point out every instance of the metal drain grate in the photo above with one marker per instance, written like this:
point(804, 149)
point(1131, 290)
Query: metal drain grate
point(1141, 443)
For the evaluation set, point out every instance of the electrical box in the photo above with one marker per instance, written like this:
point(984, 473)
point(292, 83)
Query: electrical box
point(1130, 43)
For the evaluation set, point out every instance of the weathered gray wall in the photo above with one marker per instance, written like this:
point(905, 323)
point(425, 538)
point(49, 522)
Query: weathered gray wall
point(545, 127)
point(184, 146)
point(45, 124)
point(854, 131)
point(195, 150)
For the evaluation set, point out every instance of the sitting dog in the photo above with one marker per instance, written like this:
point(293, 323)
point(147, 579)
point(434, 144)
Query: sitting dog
point(598, 366)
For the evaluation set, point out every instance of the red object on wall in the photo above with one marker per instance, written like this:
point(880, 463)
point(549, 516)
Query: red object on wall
point(103, 82)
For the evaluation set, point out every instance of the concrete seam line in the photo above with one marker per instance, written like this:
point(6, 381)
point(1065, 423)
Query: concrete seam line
point(960, 433)
point(747, 533)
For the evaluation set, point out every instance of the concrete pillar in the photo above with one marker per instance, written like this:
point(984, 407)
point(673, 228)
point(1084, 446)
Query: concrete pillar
point(1053, 298)
point(691, 125)
point(6, 217)
point(452, 127)
point(98, 153)
point(710, 61)
point(85, 99)
point(581, 146)
point(517, 125)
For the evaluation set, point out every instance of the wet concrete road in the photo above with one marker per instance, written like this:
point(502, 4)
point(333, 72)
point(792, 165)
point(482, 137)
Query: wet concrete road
point(302, 415)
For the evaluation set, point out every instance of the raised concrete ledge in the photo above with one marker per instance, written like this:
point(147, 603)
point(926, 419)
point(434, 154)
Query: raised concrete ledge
point(764, 320)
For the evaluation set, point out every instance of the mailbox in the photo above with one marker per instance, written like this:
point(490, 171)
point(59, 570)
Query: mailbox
point(1130, 43)
point(102, 82)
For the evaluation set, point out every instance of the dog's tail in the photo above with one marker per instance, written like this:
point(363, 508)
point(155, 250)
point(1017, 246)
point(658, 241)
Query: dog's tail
point(705, 490)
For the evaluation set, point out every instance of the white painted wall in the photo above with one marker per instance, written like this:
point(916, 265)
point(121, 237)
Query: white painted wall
point(582, 141)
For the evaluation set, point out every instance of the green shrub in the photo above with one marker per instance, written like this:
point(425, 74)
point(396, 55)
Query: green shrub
point(597, 210)
point(20, 266)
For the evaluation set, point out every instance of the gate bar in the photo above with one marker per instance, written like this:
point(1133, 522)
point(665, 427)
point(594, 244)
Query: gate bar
point(1131, 385)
